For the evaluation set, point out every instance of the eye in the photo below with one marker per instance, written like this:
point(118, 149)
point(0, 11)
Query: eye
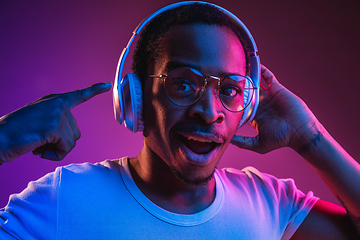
point(230, 91)
point(183, 86)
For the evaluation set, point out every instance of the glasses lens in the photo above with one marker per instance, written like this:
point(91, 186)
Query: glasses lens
point(184, 86)
point(236, 92)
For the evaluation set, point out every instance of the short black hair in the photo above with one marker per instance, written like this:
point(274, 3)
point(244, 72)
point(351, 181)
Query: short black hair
point(147, 47)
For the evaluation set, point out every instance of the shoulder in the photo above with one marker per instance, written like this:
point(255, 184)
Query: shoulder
point(88, 170)
point(67, 193)
point(83, 168)
point(252, 175)
point(49, 184)
point(263, 184)
point(89, 175)
point(275, 197)
point(74, 178)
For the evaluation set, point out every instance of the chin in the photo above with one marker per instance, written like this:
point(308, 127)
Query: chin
point(196, 181)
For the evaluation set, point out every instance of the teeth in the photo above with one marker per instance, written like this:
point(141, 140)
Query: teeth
point(198, 139)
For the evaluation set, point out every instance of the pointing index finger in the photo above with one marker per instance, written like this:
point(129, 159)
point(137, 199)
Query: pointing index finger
point(77, 97)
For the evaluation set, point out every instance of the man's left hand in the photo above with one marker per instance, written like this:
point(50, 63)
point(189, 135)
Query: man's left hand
point(282, 119)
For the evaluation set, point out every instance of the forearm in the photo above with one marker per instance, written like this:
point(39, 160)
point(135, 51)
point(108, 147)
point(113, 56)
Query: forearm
point(3, 144)
point(339, 171)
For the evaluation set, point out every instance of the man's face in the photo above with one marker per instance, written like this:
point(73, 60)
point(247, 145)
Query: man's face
point(191, 139)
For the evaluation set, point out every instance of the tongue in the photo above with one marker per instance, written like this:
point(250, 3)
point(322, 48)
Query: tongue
point(198, 147)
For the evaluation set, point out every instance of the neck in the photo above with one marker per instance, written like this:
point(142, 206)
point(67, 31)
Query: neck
point(162, 186)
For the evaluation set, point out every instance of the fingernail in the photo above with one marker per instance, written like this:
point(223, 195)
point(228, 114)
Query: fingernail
point(108, 84)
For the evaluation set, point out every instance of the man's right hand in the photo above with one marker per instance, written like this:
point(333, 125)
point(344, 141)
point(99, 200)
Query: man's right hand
point(46, 126)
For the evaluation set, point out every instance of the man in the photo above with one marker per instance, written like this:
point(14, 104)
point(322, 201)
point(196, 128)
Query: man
point(172, 189)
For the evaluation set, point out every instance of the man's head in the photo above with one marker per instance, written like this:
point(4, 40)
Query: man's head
point(188, 139)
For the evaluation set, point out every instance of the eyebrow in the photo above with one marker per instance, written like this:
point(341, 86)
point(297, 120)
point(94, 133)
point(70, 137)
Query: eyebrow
point(175, 64)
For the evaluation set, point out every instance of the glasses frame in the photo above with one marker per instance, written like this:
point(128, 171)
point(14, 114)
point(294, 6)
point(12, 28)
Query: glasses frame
point(203, 88)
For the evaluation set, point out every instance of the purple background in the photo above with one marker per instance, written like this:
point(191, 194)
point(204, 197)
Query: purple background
point(59, 46)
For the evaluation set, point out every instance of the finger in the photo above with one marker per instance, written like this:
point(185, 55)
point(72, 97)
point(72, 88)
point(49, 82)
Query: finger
point(47, 151)
point(249, 143)
point(268, 76)
point(61, 141)
point(55, 151)
point(74, 98)
point(73, 125)
point(262, 87)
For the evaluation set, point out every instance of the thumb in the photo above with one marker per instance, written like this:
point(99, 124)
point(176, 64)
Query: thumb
point(249, 143)
point(77, 97)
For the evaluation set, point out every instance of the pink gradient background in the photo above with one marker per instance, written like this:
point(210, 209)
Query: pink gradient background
point(59, 46)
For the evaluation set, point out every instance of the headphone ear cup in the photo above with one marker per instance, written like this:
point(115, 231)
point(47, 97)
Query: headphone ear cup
point(250, 111)
point(132, 102)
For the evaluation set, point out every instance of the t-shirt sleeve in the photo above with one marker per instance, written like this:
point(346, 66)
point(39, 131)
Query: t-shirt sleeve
point(32, 213)
point(300, 203)
point(291, 204)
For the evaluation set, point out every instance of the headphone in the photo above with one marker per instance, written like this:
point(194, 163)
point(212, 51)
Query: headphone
point(127, 92)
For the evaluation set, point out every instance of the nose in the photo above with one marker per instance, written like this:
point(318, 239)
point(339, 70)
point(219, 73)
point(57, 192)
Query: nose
point(208, 108)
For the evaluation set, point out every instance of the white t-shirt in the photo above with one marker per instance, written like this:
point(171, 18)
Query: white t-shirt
point(101, 201)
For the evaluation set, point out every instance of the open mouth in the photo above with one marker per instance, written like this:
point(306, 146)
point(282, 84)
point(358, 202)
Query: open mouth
point(199, 145)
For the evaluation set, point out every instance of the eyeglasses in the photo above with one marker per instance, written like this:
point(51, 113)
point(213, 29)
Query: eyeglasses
point(184, 86)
